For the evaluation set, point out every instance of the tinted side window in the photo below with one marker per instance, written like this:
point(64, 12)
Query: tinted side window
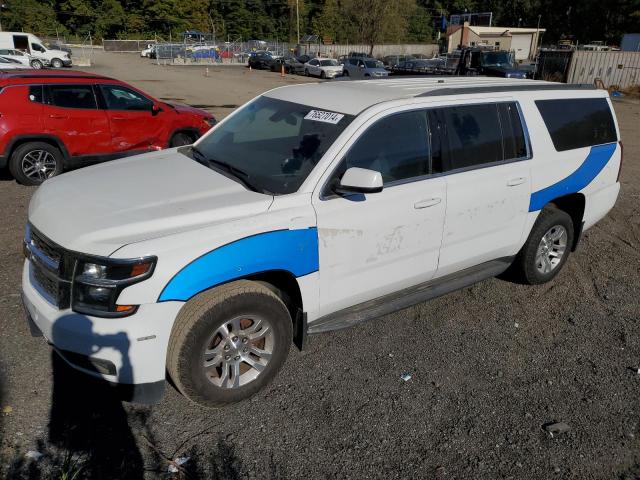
point(576, 123)
point(118, 97)
point(474, 135)
point(512, 133)
point(395, 146)
point(72, 96)
point(35, 93)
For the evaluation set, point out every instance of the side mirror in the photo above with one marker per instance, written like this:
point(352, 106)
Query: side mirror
point(155, 109)
point(359, 180)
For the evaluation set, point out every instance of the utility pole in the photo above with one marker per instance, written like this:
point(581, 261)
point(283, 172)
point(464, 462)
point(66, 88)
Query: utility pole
point(298, 19)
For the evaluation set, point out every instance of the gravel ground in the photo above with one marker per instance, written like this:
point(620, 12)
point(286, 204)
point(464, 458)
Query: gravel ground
point(490, 366)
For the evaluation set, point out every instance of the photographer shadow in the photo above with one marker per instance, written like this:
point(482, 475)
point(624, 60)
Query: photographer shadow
point(87, 418)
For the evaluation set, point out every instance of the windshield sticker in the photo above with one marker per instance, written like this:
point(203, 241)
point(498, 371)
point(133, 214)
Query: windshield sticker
point(327, 117)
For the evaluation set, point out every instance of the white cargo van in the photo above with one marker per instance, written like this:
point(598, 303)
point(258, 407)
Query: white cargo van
point(311, 208)
point(32, 45)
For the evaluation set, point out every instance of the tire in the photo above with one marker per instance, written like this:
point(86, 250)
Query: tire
point(197, 329)
point(181, 139)
point(345, 73)
point(37, 64)
point(57, 63)
point(306, 72)
point(323, 75)
point(46, 159)
point(556, 228)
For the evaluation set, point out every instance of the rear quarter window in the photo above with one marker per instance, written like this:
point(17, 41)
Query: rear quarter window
point(578, 123)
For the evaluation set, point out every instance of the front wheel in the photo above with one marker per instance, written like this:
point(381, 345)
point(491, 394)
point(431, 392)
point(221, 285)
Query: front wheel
point(306, 72)
point(57, 63)
point(181, 139)
point(323, 75)
point(547, 248)
point(228, 343)
point(35, 162)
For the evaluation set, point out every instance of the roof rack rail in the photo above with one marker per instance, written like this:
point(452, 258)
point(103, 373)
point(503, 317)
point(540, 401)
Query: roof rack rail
point(504, 88)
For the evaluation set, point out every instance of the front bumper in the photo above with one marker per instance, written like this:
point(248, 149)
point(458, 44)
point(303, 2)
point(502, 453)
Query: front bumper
point(67, 62)
point(129, 351)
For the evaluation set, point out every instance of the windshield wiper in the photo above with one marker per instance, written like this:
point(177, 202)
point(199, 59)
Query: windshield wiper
point(198, 155)
point(238, 173)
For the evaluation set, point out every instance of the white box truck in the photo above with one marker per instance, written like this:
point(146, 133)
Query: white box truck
point(32, 45)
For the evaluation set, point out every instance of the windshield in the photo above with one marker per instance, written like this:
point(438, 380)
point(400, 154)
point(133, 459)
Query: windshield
point(328, 63)
point(273, 144)
point(497, 59)
point(373, 64)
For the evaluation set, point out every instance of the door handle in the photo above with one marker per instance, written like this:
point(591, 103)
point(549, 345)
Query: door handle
point(516, 181)
point(427, 203)
point(58, 117)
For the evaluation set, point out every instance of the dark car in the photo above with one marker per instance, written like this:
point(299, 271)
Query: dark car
point(59, 46)
point(490, 63)
point(391, 61)
point(260, 60)
point(291, 64)
point(304, 58)
point(417, 66)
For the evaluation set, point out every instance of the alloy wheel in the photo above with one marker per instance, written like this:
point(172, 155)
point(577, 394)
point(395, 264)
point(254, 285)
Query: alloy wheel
point(551, 249)
point(238, 351)
point(38, 165)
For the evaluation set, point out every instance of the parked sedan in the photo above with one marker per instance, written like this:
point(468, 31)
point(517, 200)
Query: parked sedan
point(260, 60)
point(10, 64)
point(364, 68)
point(323, 68)
point(291, 64)
point(420, 67)
point(17, 55)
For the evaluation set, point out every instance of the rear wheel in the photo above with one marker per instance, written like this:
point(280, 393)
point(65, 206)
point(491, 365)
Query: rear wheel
point(323, 75)
point(547, 248)
point(228, 343)
point(36, 64)
point(35, 162)
point(57, 63)
point(345, 73)
point(306, 72)
point(181, 139)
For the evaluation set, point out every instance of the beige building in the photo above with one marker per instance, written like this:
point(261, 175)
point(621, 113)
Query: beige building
point(523, 41)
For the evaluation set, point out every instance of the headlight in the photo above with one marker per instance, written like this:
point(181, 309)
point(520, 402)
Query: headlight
point(98, 282)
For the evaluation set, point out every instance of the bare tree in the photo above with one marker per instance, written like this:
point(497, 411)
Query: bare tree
point(379, 20)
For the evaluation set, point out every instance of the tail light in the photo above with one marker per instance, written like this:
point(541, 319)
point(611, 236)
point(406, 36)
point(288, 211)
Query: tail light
point(621, 158)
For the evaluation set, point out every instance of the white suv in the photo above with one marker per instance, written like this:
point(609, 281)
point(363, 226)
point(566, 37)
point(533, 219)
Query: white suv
point(311, 208)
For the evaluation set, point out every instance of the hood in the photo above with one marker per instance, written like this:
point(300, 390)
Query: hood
point(182, 108)
point(97, 210)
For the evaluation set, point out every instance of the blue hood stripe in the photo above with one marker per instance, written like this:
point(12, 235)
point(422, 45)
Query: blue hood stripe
point(595, 162)
point(295, 251)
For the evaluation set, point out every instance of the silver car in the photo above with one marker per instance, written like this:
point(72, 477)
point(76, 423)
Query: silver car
point(364, 68)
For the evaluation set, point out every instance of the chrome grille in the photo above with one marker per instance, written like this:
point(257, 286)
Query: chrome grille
point(50, 267)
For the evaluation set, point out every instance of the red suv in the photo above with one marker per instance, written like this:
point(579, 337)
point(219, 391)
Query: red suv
point(52, 121)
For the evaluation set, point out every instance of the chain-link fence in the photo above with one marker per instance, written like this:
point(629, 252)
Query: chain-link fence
point(198, 48)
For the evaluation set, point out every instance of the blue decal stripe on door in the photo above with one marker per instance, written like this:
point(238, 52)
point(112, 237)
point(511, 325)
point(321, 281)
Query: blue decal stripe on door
point(295, 251)
point(597, 159)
